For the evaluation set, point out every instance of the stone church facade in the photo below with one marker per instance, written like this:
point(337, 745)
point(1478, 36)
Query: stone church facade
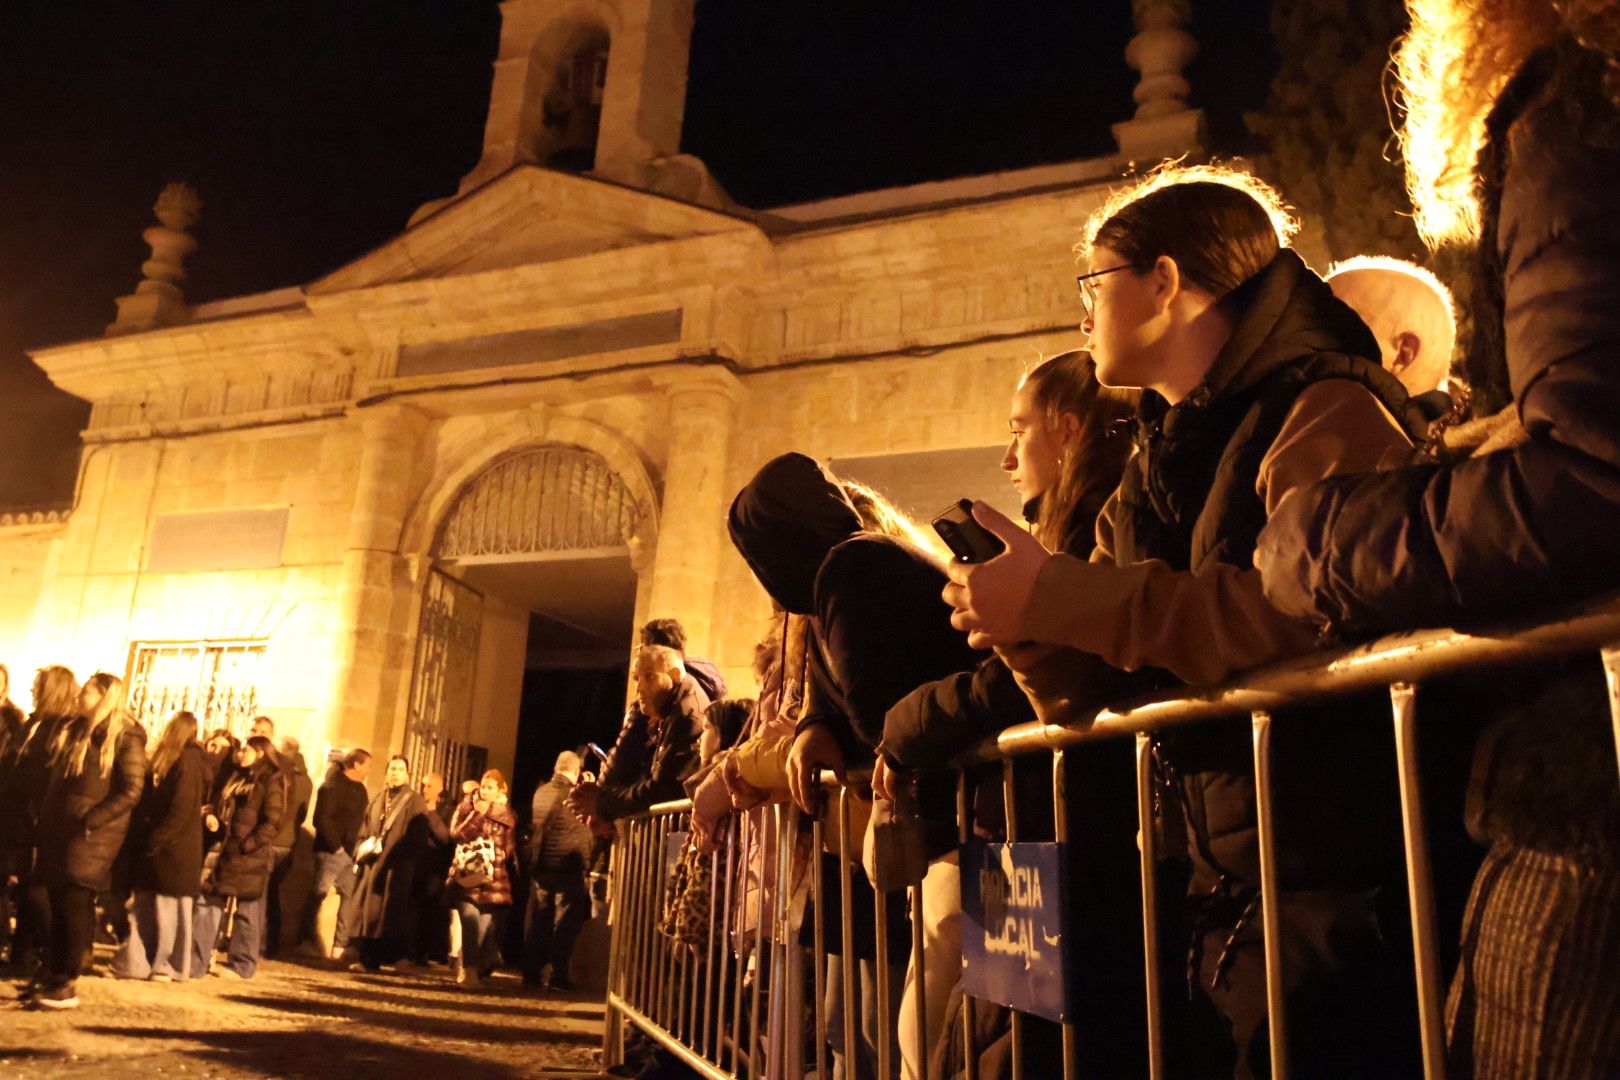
point(342, 503)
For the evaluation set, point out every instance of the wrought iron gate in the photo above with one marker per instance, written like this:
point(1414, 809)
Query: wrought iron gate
point(437, 727)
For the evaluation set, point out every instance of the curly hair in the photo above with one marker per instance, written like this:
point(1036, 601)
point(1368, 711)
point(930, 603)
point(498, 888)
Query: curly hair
point(1451, 66)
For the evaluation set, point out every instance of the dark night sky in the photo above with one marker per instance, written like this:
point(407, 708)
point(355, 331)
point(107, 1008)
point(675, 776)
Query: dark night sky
point(313, 128)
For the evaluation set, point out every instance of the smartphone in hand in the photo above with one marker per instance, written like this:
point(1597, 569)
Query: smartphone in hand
point(969, 541)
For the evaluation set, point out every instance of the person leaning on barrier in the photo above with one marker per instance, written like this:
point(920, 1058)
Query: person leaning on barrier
point(1067, 449)
point(671, 634)
point(1513, 138)
point(876, 629)
point(668, 712)
point(1258, 382)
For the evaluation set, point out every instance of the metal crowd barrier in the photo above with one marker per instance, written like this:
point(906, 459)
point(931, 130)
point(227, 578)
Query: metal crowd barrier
point(734, 1006)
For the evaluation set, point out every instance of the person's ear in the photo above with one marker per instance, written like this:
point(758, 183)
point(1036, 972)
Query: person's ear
point(1068, 430)
point(1407, 347)
point(1166, 282)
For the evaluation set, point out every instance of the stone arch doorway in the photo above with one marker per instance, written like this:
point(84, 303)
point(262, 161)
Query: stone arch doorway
point(526, 618)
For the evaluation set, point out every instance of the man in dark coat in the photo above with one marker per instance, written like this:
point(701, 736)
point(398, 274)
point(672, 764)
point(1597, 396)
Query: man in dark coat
point(382, 909)
point(668, 710)
point(299, 788)
point(559, 851)
point(340, 812)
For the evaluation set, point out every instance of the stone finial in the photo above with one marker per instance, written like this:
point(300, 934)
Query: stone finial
point(1164, 124)
point(158, 300)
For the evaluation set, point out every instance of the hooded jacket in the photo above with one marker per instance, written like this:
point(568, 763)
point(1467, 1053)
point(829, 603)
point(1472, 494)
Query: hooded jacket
point(295, 775)
point(879, 625)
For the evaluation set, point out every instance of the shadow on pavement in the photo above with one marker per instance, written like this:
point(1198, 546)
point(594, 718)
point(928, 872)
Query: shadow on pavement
point(531, 1007)
point(320, 1055)
point(467, 1029)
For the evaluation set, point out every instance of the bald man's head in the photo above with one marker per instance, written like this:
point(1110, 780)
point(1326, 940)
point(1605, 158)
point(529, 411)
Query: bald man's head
point(1408, 311)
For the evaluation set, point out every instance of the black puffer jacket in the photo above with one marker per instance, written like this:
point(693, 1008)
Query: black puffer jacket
point(559, 843)
point(295, 775)
point(1534, 524)
point(250, 810)
point(171, 856)
point(23, 783)
point(85, 817)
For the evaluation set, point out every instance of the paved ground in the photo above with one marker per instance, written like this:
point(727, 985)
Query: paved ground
point(303, 1023)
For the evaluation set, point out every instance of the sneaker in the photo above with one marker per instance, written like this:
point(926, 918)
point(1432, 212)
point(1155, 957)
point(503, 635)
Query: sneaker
point(160, 976)
point(59, 999)
point(226, 972)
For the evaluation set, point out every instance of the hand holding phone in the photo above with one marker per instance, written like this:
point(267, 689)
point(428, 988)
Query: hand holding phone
point(969, 541)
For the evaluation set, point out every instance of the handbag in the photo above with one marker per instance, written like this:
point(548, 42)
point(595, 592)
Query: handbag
point(473, 864)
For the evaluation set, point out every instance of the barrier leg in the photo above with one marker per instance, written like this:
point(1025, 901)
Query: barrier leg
point(964, 832)
point(846, 919)
point(1009, 799)
point(1611, 671)
point(1419, 883)
point(1060, 831)
point(1270, 896)
point(1146, 844)
point(818, 900)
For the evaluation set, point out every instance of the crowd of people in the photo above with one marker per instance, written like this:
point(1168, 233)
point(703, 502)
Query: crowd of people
point(176, 847)
point(1249, 460)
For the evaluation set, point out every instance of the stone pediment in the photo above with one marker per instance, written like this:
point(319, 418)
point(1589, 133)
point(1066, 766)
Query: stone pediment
point(529, 215)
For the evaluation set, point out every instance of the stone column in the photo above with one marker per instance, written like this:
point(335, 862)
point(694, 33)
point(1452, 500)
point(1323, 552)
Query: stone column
point(374, 577)
point(692, 525)
point(1164, 124)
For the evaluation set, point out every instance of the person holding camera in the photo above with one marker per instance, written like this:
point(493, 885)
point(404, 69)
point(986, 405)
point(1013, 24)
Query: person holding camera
point(480, 884)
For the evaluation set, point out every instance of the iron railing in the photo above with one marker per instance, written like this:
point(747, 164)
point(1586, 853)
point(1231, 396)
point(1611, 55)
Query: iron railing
point(751, 958)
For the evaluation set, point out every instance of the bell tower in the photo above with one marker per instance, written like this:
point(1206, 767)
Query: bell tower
point(598, 87)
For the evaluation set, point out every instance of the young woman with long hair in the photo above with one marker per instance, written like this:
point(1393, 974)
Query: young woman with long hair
point(22, 793)
point(1512, 144)
point(1256, 381)
point(168, 859)
point(97, 771)
point(245, 821)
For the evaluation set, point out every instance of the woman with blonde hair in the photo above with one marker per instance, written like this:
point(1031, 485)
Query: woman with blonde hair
point(168, 858)
point(1512, 144)
point(22, 793)
point(96, 775)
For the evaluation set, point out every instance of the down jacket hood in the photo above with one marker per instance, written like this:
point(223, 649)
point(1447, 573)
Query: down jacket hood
point(785, 521)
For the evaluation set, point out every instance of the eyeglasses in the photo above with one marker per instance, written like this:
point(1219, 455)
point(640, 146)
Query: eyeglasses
point(1088, 288)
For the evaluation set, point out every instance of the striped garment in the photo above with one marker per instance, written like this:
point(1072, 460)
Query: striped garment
point(1537, 994)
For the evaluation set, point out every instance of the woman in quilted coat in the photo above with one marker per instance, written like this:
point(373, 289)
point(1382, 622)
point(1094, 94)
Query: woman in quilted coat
point(480, 885)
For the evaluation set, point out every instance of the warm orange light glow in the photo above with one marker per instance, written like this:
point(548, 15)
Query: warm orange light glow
point(1439, 145)
point(1171, 173)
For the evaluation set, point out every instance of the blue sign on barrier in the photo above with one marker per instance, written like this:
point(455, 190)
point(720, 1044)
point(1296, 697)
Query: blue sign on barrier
point(1012, 927)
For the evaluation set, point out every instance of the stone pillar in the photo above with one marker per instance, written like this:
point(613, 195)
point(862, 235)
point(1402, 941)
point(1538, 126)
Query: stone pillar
point(692, 526)
point(157, 300)
point(374, 576)
point(1164, 125)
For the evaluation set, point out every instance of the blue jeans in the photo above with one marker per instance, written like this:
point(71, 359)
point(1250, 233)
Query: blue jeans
point(159, 941)
point(243, 955)
point(481, 935)
point(334, 870)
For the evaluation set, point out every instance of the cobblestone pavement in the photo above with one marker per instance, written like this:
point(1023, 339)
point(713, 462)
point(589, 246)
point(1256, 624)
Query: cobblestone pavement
point(303, 1023)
